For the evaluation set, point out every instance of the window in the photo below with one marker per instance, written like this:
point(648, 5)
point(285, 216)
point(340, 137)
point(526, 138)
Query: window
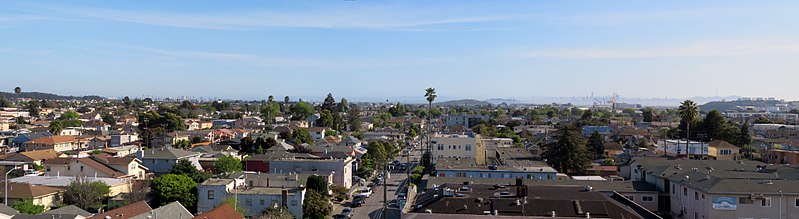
point(468, 147)
point(648, 199)
point(745, 200)
point(81, 168)
point(703, 196)
point(440, 147)
point(210, 194)
point(673, 188)
point(726, 152)
point(796, 202)
point(69, 167)
point(696, 195)
point(263, 202)
point(460, 174)
point(685, 191)
point(48, 168)
point(766, 202)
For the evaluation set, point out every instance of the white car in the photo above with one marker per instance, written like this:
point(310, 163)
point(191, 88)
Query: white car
point(32, 173)
point(365, 192)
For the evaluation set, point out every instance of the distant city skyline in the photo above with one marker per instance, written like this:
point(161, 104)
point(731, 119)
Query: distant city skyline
point(373, 50)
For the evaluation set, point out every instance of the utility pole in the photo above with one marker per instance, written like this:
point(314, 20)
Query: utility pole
point(385, 188)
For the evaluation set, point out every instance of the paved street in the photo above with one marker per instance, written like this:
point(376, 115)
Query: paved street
point(373, 208)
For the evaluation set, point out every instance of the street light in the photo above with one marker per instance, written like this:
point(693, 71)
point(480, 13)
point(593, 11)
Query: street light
point(5, 201)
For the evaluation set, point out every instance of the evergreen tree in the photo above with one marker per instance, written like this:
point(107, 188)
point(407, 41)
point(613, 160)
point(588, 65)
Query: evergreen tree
point(568, 154)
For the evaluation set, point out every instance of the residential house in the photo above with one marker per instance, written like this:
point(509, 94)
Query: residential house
point(254, 200)
point(459, 146)
point(66, 212)
point(101, 165)
point(90, 117)
point(116, 186)
point(59, 143)
point(603, 130)
point(33, 158)
point(40, 195)
point(173, 210)
point(342, 168)
point(161, 160)
point(722, 150)
point(123, 138)
point(317, 133)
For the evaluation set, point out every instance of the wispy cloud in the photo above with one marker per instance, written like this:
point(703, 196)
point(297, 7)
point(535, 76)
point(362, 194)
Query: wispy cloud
point(363, 18)
point(706, 49)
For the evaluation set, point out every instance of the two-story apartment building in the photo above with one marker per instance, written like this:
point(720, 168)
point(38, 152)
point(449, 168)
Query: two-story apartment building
point(459, 146)
point(341, 168)
point(254, 199)
point(59, 143)
point(96, 166)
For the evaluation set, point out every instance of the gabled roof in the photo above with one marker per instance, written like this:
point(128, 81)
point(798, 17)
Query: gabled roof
point(69, 210)
point(50, 140)
point(94, 164)
point(127, 211)
point(168, 153)
point(4, 209)
point(23, 190)
point(35, 155)
point(721, 144)
point(173, 210)
point(224, 211)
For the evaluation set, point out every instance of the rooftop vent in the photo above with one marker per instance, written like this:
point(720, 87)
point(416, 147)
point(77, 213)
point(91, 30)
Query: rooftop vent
point(767, 182)
point(587, 188)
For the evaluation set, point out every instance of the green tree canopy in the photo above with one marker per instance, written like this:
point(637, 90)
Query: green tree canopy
point(568, 154)
point(186, 168)
point(170, 188)
point(596, 144)
point(68, 115)
point(318, 184)
point(301, 135)
point(26, 206)
point(227, 164)
point(315, 205)
point(325, 119)
point(330, 103)
point(301, 110)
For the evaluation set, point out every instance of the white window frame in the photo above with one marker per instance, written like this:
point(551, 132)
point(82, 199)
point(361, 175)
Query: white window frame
point(766, 200)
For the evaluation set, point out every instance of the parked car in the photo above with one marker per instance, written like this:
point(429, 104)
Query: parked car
point(32, 173)
point(365, 192)
point(346, 212)
point(358, 201)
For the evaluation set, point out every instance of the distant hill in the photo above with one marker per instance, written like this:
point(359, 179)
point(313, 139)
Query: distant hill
point(734, 105)
point(470, 102)
point(497, 101)
point(48, 96)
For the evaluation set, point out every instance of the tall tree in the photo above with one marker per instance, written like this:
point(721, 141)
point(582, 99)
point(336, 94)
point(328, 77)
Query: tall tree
point(301, 110)
point(286, 100)
point(186, 168)
point(343, 106)
point(325, 119)
point(86, 194)
point(315, 205)
point(170, 188)
point(568, 154)
point(354, 118)
point(17, 90)
point(714, 124)
point(329, 103)
point(596, 144)
point(688, 112)
point(227, 164)
point(56, 126)
point(430, 94)
point(649, 114)
point(745, 138)
point(317, 183)
point(126, 101)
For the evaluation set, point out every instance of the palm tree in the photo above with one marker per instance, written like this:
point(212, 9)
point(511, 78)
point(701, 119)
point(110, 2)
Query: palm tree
point(430, 93)
point(271, 98)
point(688, 113)
point(17, 90)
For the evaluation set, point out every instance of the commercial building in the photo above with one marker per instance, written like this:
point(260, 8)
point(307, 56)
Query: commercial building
point(459, 146)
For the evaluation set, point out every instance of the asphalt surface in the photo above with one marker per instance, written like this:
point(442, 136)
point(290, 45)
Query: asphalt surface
point(373, 206)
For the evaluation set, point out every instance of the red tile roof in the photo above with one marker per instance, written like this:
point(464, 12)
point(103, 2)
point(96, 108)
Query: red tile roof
point(224, 211)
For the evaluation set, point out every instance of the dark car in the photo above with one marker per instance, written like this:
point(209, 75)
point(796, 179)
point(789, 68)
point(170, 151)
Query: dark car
point(357, 202)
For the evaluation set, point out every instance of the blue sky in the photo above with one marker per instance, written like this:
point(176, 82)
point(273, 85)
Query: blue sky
point(395, 49)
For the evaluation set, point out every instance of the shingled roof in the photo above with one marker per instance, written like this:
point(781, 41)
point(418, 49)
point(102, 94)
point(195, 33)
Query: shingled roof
point(124, 212)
